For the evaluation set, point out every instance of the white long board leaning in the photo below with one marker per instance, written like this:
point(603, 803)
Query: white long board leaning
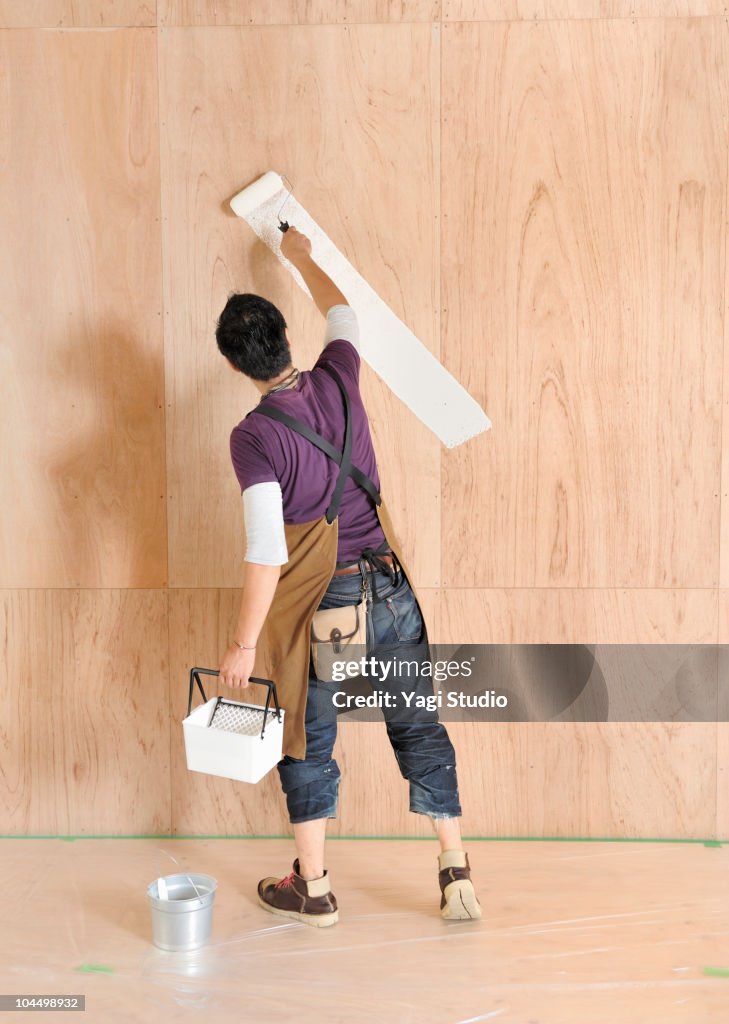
point(386, 343)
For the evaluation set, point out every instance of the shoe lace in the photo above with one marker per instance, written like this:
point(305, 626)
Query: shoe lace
point(285, 882)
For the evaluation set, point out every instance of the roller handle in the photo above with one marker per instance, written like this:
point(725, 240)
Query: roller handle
point(195, 674)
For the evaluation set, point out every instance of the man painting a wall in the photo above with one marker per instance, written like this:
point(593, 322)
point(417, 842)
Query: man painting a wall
point(319, 537)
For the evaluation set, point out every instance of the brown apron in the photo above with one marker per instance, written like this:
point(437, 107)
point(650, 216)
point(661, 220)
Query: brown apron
point(284, 643)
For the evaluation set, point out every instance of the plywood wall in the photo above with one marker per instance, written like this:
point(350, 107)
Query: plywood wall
point(539, 189)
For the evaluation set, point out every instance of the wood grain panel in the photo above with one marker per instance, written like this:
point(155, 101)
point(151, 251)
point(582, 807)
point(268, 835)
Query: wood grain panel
point(609, 779)
point(722, 743)
point(576, 616)
point(616, 780)
point(294, 12)
point(724, 538)
point(331, 110)
point(526, 779)
point(722, 782)
point(84, 726)
point(621, 780)
point(82, 367)
point(200, 623)
point(523, 10)
point(612, 779)
point(590, 325)
point(76, 13)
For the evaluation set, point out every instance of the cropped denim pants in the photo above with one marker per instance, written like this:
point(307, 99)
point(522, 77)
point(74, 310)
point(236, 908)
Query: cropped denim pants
point(421, 745)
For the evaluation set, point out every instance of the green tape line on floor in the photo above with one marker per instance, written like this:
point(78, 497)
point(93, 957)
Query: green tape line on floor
point(427, 839)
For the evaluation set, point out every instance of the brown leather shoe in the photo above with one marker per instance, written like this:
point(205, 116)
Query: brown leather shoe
point(312, 902)
point(458, 898)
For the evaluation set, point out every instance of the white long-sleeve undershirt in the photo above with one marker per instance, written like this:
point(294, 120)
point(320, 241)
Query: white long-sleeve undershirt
point(342, 323)
point(264, 523)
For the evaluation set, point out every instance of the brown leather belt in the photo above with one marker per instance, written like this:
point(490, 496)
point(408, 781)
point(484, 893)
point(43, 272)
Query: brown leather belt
point(350, 570)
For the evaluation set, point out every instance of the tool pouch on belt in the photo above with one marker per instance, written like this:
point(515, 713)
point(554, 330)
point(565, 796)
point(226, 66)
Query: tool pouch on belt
point(338, 634)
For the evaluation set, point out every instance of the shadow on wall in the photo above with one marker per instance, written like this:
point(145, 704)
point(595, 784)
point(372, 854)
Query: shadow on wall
point(107, 463)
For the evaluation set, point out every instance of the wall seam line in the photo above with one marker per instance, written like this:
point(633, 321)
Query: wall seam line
point(164, 419)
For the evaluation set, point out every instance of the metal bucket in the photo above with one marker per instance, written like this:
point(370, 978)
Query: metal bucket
point(184, 920)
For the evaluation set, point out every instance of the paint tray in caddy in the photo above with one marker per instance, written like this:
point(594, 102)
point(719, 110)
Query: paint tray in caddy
point(232, 739)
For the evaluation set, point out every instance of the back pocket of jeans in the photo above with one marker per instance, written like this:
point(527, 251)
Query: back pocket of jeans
point(406, 618)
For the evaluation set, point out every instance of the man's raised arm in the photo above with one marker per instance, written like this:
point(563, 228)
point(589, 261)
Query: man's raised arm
point(296, 247)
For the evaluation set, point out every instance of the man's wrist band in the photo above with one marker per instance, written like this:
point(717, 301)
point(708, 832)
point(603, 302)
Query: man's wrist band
point(243, 646)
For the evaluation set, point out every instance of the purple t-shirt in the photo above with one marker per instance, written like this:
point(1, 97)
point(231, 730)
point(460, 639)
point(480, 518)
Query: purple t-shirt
point(264, 450)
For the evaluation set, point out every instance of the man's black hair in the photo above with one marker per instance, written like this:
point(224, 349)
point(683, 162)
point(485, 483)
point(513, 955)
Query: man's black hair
point(250, 333)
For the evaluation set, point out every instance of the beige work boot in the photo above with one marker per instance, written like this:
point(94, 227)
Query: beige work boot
point(458, 900)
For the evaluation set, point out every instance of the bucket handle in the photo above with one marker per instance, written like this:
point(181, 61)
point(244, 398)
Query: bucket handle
point(195, 674)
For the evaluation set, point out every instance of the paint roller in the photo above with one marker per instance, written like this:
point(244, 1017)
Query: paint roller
point(260, 192)
point(388, 345)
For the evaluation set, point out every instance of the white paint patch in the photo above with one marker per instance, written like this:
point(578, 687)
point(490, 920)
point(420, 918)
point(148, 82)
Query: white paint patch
point(386, 343)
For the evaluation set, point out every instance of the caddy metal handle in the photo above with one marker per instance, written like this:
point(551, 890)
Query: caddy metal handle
point(195, 674)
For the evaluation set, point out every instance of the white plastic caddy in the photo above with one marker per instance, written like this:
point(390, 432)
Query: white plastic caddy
point(232, 739)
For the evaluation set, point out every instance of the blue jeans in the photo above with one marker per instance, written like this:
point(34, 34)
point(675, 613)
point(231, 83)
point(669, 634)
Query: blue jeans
point(423, 750)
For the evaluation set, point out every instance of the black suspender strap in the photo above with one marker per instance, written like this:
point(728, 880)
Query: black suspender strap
point(345, 465)
point(274, 413)
point(343, 458)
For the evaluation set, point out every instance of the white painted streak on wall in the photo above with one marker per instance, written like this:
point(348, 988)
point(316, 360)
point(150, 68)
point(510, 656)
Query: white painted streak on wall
point(386, 343)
